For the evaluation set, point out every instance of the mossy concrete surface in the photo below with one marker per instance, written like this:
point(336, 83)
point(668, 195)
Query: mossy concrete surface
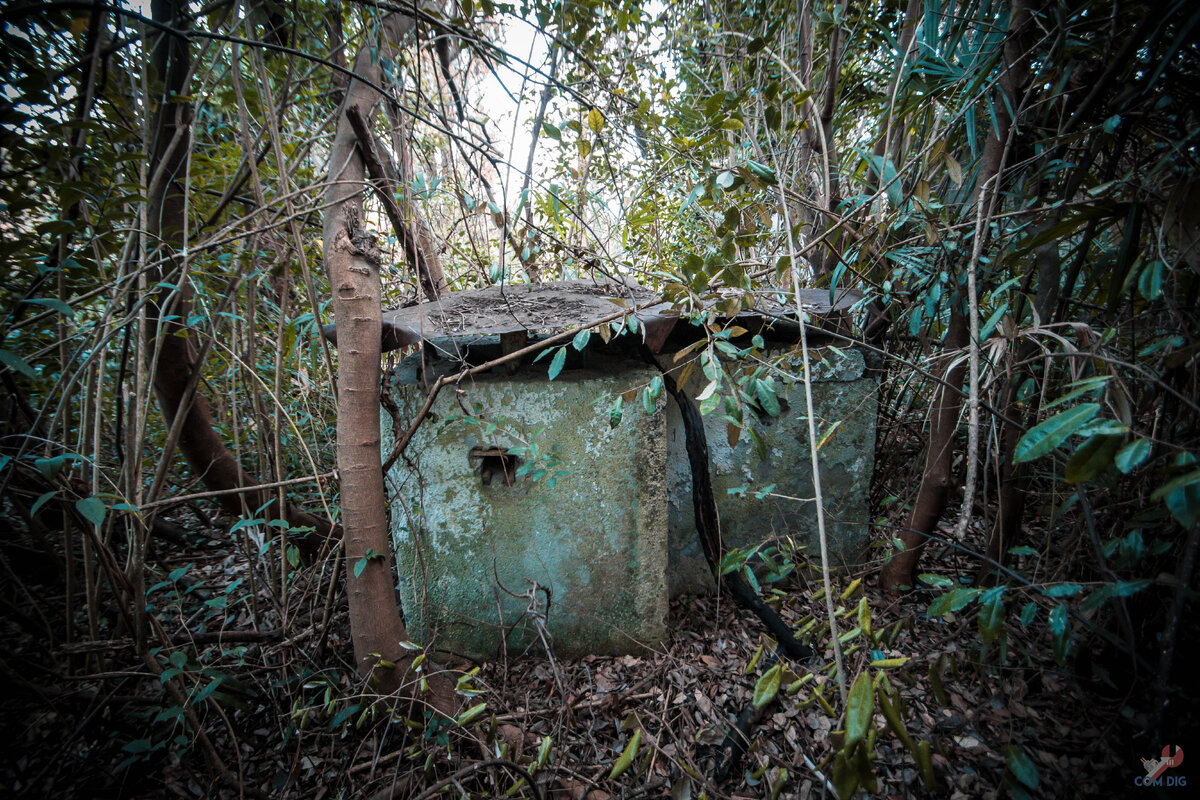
point(575, 548)
point(778, 459)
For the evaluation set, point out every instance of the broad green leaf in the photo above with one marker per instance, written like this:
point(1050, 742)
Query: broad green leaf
point(767, 686)
point(1049, 434)
point(54, 304)
point(41, 501)
point(556, 365)
point(953, 600)
point(724, 180)
point(1021, 766)
point(14, 361)
point(1130, 456)
point(860, 707)
point(359, 567)
point(1063, 589)
point(627, 755)
point(1092, 458)
point(1028, 613)
point(765, 390)
point(92, 509)
point(762, 171)
point(581, 339)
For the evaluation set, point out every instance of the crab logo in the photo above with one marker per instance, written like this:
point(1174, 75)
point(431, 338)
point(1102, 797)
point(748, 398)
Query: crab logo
point(1155, 767)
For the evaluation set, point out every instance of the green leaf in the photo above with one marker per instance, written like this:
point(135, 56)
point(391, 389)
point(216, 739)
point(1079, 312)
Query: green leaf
point(556, 365)
point(41, 501)
point(762, 171)
point(1150, 282)
point(1182, 496)
point(627, 755)
point(54, 304)
point(581, 339)
point(92, 509)
point(1092, 458)
point(765, 390)
point(953, 600)
point(1176, 484)
point(615, 412)
point(1132, 455)
point(767, 686)
point(1049, 434)
point(648, 400)
point(470, 714)
point(1063, 589)
point(359, 566)
point(1028, 613)
point(991, 614)
point(1116, 589)
point(17, 363)
point(1021, 766)
point(860, 706)
point(936, 581)
point(724, 180)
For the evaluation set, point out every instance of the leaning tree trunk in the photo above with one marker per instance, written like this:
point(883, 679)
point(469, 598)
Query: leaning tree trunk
point(176, 366)
point(937, 480)
point(352, 261)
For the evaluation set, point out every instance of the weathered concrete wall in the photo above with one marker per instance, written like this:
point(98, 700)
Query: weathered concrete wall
point(596, 539)
point(614, 535)
point(843, 393)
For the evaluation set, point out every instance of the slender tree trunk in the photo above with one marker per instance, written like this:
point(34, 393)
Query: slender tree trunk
point(937, 480)
point(176, 368)
point(352, 261)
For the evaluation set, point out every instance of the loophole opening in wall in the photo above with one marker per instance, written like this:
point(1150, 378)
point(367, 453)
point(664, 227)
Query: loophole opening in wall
point(495, 464)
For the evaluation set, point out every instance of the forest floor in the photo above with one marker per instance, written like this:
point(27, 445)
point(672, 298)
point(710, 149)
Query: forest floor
point(93, 721)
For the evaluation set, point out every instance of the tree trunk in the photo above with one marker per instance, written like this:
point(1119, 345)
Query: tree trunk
point(352, 261)
point(176, 368)
point(938, 477)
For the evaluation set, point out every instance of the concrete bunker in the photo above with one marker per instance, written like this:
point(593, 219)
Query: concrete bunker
point(530, 510)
